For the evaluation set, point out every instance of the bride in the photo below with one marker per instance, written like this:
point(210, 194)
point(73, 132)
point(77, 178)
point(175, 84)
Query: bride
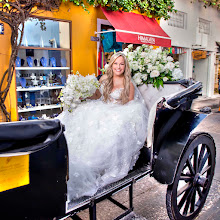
point(105, 134)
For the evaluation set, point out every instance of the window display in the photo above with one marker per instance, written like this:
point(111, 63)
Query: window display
point(41, 73)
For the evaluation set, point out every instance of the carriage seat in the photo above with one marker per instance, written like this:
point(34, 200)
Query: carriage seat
point(172, 92)
point(153, 95)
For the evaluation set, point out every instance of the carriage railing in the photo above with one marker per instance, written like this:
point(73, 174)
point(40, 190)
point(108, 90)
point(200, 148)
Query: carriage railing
point(184, 96)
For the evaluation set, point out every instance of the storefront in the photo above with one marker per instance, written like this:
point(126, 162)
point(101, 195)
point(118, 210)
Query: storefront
point(217, 70)
point(56, 44)
point(179, 54)
point(71, 29)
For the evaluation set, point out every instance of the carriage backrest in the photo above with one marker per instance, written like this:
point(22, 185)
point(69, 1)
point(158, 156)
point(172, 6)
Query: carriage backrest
point(152, 95)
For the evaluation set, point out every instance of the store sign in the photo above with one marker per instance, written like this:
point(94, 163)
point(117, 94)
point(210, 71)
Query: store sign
point(146, 40)
point(1, 28)
point(14, 172)
point(94, 38)
point(199, 54)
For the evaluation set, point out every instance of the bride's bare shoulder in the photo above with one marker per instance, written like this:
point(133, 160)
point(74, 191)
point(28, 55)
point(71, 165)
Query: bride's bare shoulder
point(103, 78)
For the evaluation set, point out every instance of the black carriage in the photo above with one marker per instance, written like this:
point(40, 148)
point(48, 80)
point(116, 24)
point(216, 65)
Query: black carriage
point(174, 154)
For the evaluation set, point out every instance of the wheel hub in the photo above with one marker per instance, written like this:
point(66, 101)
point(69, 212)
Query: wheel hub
point(200, 180)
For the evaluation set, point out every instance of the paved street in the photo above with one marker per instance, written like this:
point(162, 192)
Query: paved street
point(150, 196)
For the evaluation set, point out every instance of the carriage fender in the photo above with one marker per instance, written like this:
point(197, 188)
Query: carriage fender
point(172, 148)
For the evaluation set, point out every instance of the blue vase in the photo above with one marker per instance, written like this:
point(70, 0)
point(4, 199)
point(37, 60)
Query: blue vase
point(63, 80)
point(63, 62)
point(30, 61)
point(32, 98)
point(43, 61)
point(18, 62)
point(22, 82)
point(53, 61)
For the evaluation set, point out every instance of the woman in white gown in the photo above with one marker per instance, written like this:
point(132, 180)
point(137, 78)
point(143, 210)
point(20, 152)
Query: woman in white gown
point(104, 136)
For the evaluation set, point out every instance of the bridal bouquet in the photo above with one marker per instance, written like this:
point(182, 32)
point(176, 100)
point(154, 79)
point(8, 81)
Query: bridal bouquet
point(150, 65)
point(77, 89)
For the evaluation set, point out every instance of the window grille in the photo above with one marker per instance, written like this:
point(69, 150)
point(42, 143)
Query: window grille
point(204, 26)
point(178, 19)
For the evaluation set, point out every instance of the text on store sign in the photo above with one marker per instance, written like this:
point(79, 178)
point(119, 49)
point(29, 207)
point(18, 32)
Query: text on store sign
point(148, 40)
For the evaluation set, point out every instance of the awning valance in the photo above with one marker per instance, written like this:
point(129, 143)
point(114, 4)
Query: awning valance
point(136, 29)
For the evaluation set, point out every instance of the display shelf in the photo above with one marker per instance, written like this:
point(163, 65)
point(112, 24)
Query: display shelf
point(42, 68)
point(38, 88)
point(38, 108)
point(44, 48)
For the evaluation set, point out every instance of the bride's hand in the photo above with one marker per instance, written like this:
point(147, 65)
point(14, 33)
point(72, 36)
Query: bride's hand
point(96, 95)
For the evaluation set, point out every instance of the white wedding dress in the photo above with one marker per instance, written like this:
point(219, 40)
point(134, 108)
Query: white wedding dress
point(104, 140)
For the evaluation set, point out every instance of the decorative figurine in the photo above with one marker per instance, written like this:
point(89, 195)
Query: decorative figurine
point(37, 62)
point(53, 43)
point(41, 42)
point(60, 75)
point(18, 74)
point(33, 76)
point(35, 82)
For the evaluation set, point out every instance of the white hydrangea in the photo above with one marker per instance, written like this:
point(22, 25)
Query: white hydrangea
point(137, 78)
point(130, 46)
point(143, 54)
point(177, 74)
point(154, 73)
point(147, 60)
point(169, 59)
point(125, 51)
point(134, 65)
point(144, 77)
point(131, 56)
point(169, 66)
point(160, 68)
point(165, 79)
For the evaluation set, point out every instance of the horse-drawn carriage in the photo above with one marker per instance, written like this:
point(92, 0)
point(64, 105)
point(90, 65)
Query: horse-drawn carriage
point(34, 161)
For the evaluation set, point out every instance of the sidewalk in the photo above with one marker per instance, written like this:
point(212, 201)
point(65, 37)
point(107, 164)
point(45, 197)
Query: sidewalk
point(212, 102)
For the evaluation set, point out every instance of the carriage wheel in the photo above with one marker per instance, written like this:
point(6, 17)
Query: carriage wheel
point(187, 194)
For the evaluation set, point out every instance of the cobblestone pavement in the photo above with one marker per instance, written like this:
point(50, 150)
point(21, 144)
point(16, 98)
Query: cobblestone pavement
point(150, 196)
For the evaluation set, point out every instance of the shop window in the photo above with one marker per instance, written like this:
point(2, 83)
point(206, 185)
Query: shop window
point(42, 66)
point(46, 33)
point(178, 19)
point(204, 26)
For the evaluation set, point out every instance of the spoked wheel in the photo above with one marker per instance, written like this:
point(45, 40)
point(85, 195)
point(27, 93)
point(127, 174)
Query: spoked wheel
point(187, 194)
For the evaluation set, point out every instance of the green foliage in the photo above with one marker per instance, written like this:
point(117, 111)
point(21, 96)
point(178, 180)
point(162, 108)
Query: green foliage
point(215, 3)
point(208, 3)
point(151, 8)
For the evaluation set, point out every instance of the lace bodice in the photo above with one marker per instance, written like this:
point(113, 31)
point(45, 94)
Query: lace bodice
point(114, 96)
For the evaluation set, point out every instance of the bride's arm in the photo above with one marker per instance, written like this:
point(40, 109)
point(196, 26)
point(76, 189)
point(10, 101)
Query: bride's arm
point(96, 95)
point(131, 93)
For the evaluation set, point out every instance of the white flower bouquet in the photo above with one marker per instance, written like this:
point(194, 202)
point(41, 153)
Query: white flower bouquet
point(152, 66)
point(77, 89)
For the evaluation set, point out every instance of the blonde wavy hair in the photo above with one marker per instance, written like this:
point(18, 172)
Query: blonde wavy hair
point(108, 82)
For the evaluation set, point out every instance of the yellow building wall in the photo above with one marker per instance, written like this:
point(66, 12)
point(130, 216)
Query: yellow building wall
point(5, 52)
point(84, 25)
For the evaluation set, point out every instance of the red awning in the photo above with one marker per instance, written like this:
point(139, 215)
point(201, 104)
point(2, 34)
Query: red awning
point(137, 29)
